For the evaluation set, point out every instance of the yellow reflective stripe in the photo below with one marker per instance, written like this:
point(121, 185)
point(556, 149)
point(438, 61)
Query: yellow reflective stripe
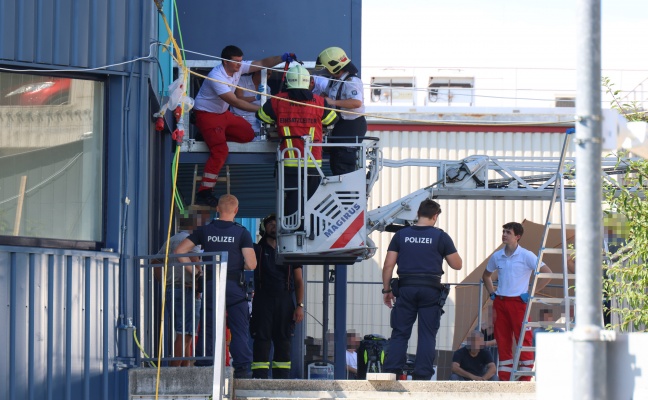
point(264, 117)
point(260, 365)
point(281, 364)
point(330, 117)
point(311, 133)
point(289, 143)
point(293, 162)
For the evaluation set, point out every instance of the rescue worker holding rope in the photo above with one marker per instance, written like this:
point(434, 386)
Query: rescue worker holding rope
point(224, 234)
point(278, 305)
point(419, 251)
point(213, 118)
point(345, 92)
point(295, 119)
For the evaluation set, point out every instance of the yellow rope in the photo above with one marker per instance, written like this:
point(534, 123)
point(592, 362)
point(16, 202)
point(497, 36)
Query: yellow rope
point(378, 116)
point(173, 190)
point(151, 363)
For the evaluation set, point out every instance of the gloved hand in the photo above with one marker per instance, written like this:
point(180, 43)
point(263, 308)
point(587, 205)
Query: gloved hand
point(492, 296)
point(261, 88)
point(525, 297)
point(288, 57)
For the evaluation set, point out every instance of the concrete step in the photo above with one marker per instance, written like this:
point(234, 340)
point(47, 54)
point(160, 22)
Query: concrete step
point(195, 383)
point(364, 390)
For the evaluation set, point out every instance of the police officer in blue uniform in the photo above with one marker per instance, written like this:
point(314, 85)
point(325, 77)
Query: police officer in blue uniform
point(419, 251)
point(224, 234)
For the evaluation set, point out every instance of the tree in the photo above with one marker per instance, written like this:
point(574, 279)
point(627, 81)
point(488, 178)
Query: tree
point(626, 277)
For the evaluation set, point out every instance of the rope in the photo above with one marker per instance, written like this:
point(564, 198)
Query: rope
point(176, 157)
point(377, 116)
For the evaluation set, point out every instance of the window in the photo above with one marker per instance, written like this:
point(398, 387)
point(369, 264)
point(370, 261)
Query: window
point(393, 90)
point(51, 157)
point(565, 101)
point(450, 91)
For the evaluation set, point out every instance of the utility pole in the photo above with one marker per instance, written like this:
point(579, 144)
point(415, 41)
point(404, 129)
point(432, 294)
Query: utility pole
point(590, 355)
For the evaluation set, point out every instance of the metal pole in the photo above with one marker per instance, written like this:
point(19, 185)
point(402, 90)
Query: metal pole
point(589, 350)
point(339, 321)
point(325, 312)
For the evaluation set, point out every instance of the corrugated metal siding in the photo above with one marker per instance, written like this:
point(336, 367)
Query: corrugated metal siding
point(474, 225)
point(82, 34)
point(60, 311)
point(343, 27)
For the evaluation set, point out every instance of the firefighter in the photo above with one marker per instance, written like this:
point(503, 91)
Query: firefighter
point(298, 120)
point(278, 305)
point(345, 92)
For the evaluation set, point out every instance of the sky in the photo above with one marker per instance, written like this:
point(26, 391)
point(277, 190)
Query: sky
point(498, 33)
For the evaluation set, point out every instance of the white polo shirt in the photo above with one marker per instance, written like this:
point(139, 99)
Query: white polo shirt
point(208, 98)
point(351, 89)
point(514, 271)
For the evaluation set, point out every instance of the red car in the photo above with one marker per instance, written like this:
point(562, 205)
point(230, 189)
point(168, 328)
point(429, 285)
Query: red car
point(34, 90)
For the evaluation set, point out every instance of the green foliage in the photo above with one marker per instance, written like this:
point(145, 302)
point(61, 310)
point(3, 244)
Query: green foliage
point(626, 280)
point(631, 110)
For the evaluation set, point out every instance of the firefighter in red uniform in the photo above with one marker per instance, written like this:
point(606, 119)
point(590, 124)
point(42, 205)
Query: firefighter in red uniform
point(298, 120)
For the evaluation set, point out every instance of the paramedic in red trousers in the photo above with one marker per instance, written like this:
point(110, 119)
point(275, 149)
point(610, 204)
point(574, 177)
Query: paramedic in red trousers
point(224, 234)
point(419, 251)
point(344, 92)
point(278, 305)
point(213, 118)
point(514, 265)
point(292, 120)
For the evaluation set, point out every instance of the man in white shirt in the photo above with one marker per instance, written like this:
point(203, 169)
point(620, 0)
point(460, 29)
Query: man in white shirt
point(514, 265)
point(213, 118)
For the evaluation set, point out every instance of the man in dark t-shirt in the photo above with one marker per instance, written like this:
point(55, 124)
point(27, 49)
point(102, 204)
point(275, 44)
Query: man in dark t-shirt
point(225, 235)
point(419, 251)
point(473, 362)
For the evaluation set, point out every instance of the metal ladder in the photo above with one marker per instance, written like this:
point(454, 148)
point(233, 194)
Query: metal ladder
point(558, 194)
point(197, 178)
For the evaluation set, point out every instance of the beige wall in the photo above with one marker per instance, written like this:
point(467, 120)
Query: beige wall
point(474, 225)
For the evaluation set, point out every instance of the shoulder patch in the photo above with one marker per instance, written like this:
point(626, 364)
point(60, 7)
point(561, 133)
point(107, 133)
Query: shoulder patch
point(354, 92)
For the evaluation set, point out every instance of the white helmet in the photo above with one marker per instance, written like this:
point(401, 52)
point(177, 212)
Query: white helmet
point(333, 59)
point(297, 77)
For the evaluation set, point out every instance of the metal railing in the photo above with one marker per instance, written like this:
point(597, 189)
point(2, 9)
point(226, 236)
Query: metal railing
point(172, 316)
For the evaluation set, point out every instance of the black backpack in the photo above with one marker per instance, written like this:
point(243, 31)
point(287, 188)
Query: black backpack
point(371, 354)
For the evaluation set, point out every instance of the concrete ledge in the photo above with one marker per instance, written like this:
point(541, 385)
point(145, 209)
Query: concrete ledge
point(197, 381)
point(442, 390)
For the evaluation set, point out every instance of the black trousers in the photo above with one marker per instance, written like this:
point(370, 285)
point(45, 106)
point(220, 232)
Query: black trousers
point(291, 181)
point(272, 324)
point(344, 160)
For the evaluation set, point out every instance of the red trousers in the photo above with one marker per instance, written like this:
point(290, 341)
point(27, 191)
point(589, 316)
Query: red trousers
point(217, 130)
point(508, 316)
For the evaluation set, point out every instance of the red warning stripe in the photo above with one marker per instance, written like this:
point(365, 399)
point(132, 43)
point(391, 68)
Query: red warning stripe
point(355, 226)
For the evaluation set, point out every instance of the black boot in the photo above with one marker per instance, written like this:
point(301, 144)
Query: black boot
point(205, 197)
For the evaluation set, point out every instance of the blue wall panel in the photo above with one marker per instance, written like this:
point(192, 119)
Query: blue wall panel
point(56, 328)
point(75, 33)
point(266, 28)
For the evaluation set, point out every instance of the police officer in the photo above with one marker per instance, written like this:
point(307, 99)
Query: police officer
point(224, 234)
point(345, 92)
point(277, 306)
point(419, 251)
